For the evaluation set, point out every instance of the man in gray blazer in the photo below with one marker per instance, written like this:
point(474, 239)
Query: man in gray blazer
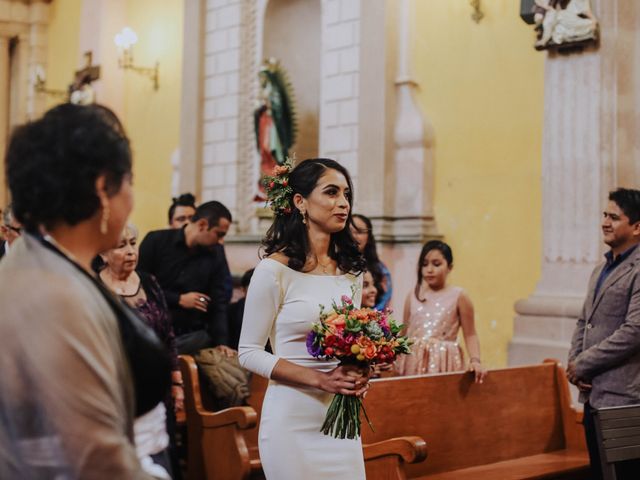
point(604, 361)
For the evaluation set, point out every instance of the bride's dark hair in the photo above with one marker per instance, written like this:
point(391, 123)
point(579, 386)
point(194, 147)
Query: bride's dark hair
point(288, 235)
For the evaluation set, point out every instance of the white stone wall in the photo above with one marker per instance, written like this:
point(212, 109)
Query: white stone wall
point(339, 96)
point(339, 89)
point(221, 101)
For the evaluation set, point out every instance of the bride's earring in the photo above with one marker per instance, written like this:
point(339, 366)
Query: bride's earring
point(104, 223)
point(304, 216)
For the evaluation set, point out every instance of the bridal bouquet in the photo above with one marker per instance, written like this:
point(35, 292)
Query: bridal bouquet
point(355, 336)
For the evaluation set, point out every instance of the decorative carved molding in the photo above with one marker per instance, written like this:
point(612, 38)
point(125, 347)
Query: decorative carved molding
point(413, 155)
point(247, 158)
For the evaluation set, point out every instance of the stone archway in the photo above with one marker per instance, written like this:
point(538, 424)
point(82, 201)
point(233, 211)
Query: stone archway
point(357, 110)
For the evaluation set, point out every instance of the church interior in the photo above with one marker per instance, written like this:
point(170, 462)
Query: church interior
point(456, 122)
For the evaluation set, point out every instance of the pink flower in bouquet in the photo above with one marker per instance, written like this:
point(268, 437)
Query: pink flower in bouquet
point(346, 300)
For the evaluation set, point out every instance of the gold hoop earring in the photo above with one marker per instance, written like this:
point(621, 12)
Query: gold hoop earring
point(104, 223)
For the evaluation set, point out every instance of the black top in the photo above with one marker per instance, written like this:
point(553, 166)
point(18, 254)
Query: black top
point(155, 312)
point(179, 269)
point(236, 312)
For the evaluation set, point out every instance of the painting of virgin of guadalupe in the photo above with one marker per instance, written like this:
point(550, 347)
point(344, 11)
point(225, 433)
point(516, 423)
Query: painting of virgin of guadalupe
point(274, 120)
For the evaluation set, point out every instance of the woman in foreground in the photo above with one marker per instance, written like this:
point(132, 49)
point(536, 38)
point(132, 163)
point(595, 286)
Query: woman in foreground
point(71, 354)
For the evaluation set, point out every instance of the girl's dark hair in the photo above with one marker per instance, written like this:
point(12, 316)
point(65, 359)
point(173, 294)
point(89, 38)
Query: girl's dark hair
point(371, 258)
point(184, 200)
point(52, 164)
point(446, 252)
point(288, 235)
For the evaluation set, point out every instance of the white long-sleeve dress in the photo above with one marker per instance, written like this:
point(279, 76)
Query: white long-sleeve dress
point(281, 305)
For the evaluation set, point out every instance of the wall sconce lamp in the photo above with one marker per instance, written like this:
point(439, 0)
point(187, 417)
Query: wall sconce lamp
point(125, 41)
point(40, 84)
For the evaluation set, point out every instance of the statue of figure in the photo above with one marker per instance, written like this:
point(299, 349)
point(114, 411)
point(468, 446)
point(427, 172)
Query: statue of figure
point(274, 119)
point(560, 25)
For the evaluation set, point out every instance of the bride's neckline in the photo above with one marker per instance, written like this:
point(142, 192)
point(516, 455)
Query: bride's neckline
point(305, 273)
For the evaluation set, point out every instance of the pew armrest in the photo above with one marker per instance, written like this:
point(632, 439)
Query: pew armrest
point(410, 449)
point(243, 417)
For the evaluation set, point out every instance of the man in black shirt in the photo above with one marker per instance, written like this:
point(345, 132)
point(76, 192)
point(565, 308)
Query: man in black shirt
point(193, 275)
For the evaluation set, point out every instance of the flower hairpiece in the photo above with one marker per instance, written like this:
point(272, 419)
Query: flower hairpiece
point(279, 193)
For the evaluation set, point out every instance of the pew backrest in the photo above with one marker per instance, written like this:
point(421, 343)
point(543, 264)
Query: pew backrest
point(618, 432)
point(220, 432)
point(517, 412)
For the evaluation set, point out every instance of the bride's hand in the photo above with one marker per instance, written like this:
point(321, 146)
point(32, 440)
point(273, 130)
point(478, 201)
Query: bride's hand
point(345, 380)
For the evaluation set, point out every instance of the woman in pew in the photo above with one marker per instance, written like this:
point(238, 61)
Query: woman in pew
point(311, 260)
point(369, 290)
point(433, 315)
point(73, 358)
point(369, 295)
point(142, 293)
point(362, 232)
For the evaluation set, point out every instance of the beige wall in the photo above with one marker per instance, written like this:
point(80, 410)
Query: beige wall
point(151, 117)
point(63, 55)
point(482, 87)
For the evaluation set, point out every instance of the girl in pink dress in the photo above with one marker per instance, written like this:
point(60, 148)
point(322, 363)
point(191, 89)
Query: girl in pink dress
point(433, 315)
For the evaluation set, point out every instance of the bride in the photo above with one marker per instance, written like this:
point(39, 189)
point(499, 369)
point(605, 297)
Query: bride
point(311, 260)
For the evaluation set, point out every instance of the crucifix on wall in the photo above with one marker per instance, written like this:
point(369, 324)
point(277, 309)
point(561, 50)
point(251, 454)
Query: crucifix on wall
point(80, 91)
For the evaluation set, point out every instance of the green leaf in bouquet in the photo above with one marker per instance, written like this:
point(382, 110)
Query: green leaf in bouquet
point(353, 325)
point(373, 330)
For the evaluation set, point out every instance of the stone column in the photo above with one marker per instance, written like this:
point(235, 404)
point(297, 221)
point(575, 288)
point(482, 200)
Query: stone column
point(412, 217)
point(190, 156)
point(340, 83)
point(578, 171)
point(222, 100)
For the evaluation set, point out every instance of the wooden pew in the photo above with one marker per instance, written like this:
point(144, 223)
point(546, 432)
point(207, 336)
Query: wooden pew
point(224, 444)
point(219, 434)
point(618, 432)
point(518, 424)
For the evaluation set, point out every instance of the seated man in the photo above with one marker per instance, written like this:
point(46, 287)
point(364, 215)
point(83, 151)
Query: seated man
point(193, 274)
point(10, 228)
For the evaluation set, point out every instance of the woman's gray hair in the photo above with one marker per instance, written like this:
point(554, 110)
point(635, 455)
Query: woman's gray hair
point(132, 229)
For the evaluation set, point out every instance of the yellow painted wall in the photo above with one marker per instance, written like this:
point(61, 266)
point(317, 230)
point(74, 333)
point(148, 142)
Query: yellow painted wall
point(481, 85)
point(63, 45)
point(151, 118)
